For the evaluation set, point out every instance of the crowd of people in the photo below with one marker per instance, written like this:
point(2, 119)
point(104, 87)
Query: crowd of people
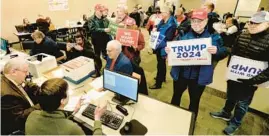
point(44, 105)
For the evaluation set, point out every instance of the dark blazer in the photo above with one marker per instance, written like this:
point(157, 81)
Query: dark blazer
point(122, 65)
point(14, 107)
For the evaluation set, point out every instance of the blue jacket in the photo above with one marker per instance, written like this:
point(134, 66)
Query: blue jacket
point(205, 76)
point(168, 30)
point(122, 64)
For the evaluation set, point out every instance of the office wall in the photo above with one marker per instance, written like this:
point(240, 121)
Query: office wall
point(221, 7)
point(13, 11)
point(265, 4)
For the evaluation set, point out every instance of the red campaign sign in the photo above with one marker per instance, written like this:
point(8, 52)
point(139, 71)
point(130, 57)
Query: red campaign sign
point(127, 37)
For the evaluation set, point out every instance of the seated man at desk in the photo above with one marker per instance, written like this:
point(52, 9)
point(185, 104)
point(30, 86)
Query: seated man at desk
point(83, 48)
point(116, 60)
point(17, 96)
point(44, 44)
point(52, 120)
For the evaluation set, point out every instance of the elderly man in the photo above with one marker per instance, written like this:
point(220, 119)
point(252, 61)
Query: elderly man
point(98, 26)
point(116, 60)
point(254, 45)
point(16, 102)
point(196, 77)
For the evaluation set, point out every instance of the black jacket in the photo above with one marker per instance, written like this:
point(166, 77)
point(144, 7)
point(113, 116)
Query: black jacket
point(47, 46)
point(254, 47)
point(184, 27)
point(213, 17)
point(136, 17)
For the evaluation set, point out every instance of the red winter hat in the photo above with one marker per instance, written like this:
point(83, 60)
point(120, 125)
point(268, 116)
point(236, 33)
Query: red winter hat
point(199, 14)
point(99, 7)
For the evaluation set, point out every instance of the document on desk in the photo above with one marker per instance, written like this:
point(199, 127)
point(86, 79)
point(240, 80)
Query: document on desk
point(72, 102)
point(97, 83)
point(92, 95)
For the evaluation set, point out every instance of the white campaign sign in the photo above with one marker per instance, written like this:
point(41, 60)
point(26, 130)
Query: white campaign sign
point(244, 68)
point(153, 39)
point(189, 52)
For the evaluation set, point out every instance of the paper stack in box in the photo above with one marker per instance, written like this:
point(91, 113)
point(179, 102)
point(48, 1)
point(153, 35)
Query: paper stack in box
point(78, 69)
point(40, 63)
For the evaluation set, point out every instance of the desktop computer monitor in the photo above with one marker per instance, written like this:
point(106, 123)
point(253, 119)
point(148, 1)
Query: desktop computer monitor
point(125, 87)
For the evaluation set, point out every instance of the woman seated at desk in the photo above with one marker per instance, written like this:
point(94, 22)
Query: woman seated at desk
point(26, 25)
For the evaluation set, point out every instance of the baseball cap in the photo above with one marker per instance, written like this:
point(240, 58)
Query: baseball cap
point(199, 14)
point(260, 17)
point(99, 7)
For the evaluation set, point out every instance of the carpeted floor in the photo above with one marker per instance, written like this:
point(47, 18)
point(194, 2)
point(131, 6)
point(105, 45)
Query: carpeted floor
point(205, 125)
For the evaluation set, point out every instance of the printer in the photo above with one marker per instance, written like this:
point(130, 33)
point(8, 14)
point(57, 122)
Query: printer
point(78, 69)
point(40, 63)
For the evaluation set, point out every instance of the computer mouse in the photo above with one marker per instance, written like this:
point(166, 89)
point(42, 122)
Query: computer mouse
point(127, 127)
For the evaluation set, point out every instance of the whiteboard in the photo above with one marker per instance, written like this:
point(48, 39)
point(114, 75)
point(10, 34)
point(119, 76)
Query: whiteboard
point(247, 8)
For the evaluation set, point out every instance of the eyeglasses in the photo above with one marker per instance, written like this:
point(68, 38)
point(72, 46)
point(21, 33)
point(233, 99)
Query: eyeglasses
point(196, 21)
point(24, 71)
point(253, 23)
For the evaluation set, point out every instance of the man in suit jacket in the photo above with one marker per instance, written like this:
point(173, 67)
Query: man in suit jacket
point(116, 60)
point(16, 102)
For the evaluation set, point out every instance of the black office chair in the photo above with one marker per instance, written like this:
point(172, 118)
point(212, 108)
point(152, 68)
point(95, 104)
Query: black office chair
point(19, 28)
point(62, 33)
point(33, 27)
point(62, 45)
point(72, 32)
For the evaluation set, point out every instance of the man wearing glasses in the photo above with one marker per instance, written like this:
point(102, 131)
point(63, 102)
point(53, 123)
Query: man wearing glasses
point(195, 78)
point(17, 96)
point(253, 44)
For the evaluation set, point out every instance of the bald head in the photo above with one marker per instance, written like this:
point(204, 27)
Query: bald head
point(113, 49)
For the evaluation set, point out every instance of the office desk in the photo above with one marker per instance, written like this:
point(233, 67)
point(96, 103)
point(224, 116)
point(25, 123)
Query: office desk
point(159, 118)
point(22, 35)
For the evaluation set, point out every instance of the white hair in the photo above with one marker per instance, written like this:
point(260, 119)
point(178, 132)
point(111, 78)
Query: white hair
point(15, 63)
point(123, 8)
point(115, 45)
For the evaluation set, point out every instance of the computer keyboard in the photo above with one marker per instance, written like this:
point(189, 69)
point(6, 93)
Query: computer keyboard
point(110, 119)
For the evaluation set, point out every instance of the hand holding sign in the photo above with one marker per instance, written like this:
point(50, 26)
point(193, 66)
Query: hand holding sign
point(167, 50)
point(107, 30)
point(212, 49)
